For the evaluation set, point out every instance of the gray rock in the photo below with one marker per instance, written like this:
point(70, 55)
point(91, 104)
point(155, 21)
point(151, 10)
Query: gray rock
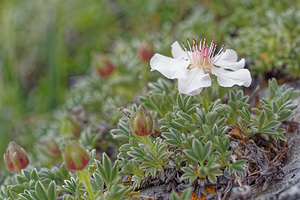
point(292, 193)
point(155, 193)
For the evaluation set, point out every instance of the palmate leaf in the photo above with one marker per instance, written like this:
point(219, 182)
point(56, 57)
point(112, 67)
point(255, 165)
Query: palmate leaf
point(211, 170)
point(185, 104)
point(137, 154)
point(261, 120)
point(237, 166)
point(160, 97)
point(108, 172)
point(222, 144)
point(189, 174)
point(40, 193)
point(161, 150)
point(174, 138)
point(199, 153)
point(4, 192)
point(122, 132)
point(117, 191)
point(271, 125)
point(19, 188)
point(72, 185)
point(272, 88)
point(52, 191)
point(25, 176)
point(97, 183)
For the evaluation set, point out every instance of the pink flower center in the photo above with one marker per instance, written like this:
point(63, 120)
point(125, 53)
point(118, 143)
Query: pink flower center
point(201, 55)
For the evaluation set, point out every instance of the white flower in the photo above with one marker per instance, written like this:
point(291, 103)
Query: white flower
point(194, 67)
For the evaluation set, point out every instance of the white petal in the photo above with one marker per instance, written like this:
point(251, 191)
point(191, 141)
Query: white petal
point(169, 67)
point(230, 64)
point(194, 82)
point(177, 51)
point(230, 55)
point(228, 78)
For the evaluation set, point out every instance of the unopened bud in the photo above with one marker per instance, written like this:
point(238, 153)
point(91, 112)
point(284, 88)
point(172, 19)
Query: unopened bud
point(145, 52)
point(50, 148)
point(75, 156)
point(142, 123)
point(68, 126)
point(103, 65)
point(15, 157)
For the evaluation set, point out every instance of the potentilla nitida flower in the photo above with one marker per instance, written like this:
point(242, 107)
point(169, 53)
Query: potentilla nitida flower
point(50, 148)
point(102, 65)
point(141, 122)
point(194, 65)
point(75, 156)
point(15, 157)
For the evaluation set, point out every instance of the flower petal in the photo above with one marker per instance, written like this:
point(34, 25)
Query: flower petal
point(230, 65)
point(228, 60)
point(169, 67)
point(230, 78)
point(177, 51)
point(194, 81)
point(230, 55)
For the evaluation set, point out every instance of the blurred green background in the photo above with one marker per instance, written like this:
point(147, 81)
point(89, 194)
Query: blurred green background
point(46, 44)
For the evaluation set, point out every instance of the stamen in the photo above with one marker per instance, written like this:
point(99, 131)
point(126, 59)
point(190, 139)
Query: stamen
point(185, 49)
point(201, 54)
point(188, 41)
point(221, 49)
point(200, 45)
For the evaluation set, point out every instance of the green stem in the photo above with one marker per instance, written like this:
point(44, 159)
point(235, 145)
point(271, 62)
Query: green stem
point(84, 177)
point(203, 97)
point(146, 141)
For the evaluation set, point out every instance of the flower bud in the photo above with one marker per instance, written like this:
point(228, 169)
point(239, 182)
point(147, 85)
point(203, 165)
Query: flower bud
point(142, 123)
point(15, 157)
point(103, 65)
point(68, 126)
point(50, 148)
point(145, 52)
point(75, 156)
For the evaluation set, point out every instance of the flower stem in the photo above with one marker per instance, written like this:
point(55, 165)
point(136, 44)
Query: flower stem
point(146, 141)
point(84, 177)
point(203, 96)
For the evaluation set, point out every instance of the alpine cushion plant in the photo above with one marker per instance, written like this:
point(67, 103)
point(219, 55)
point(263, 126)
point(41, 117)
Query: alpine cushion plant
point(202, 145)
point(194, 66)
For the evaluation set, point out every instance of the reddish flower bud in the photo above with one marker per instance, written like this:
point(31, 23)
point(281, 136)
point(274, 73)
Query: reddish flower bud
point(15, 157)
point(50, 148)
point(103, 65)
point(68, 126)
point(142, 123)
point(75, 156)
point(145, 52)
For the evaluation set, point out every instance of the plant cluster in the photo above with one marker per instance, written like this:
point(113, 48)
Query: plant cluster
point(194, 138)
point(123, 129)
